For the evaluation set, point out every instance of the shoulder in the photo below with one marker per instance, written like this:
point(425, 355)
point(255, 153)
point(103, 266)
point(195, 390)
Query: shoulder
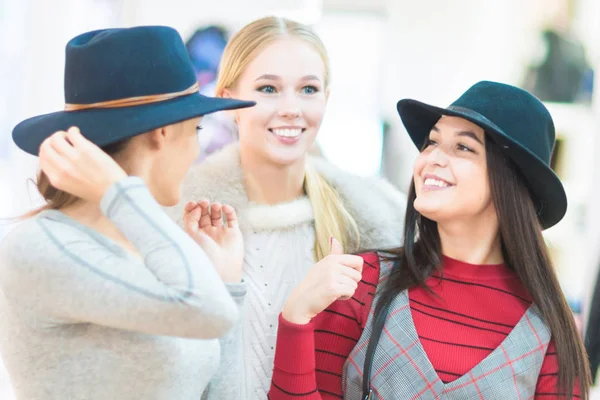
point(376, 269)
point(38, 249)
point(377, 266)
point(371, 258)
point(23, 240)
point(26, 245)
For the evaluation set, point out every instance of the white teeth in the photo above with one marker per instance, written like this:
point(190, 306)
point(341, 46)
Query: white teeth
point(287, 132)
point(435, 182)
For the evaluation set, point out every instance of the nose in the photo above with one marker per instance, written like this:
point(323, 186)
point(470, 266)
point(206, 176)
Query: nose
point(437, 157)
point(289, 107)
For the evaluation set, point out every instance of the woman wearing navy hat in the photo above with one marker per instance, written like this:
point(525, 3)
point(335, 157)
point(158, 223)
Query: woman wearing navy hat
point(101, 293)
point(470, 306)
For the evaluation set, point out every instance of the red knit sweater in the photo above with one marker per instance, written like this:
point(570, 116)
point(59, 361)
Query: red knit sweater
point(476, 307)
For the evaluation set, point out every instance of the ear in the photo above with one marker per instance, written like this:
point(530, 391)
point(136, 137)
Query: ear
point(226, 93)
point(229, 94)
point(157, 138)
point(327, 92)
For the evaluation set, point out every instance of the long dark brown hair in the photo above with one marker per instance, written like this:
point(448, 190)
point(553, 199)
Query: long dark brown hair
point(57, 199)
point(524, 251)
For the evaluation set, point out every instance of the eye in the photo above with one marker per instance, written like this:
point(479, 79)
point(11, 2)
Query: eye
point(428, 143)
point(462, 147)
point(267, 89)
point(198, 129)
point(310, 89)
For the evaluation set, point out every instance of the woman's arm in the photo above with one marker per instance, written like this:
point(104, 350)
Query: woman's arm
point(61, 270)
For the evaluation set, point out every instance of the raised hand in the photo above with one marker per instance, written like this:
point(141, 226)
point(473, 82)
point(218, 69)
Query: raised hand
point(333, 278)
point(75, 165)
point(222, 242)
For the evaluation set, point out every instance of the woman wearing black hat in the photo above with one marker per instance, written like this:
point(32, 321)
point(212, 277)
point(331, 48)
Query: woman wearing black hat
point(470, 306)
point(100, 292)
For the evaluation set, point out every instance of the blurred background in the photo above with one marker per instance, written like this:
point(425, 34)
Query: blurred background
point(381, 51)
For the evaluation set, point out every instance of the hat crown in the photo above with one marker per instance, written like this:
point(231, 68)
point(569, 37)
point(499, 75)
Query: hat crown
point(519, 114)
point(112, 64)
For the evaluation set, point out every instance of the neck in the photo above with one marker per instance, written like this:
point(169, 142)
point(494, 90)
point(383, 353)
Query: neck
point(270, 183)
point(472, 242)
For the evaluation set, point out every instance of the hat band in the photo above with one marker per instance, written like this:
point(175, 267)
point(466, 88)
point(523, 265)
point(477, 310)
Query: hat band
point(133, 101)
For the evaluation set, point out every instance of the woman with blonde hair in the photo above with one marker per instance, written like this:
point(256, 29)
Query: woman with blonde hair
point(289, 204)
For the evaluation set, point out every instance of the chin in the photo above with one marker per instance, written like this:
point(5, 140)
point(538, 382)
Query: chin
point(432, 212)
point(169, 200)
point(429, 214)
point(284, 158)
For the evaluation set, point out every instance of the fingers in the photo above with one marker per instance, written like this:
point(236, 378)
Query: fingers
point(351, 273)
point(191, 218)
point(210, 214)
point(76, 138)
point(51, 162)
point(204, 214)
point(232, 221)
point(345, 287)
point(62, 146)
point(189, 206)
point(352, 261)
point(216, 214)
point(336, 247)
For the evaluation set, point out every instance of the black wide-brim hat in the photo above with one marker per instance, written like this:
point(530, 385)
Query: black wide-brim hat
point(513, 119)
point(120, 83)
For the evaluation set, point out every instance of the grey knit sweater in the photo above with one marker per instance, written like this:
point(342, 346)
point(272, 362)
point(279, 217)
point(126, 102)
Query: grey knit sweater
point(82, 318)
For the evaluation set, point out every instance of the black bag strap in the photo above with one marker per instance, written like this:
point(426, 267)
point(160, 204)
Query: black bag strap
point(373, 340)
point(375, 334)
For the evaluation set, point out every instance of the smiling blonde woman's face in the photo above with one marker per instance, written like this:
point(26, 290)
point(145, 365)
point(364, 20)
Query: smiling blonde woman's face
point(287, 81)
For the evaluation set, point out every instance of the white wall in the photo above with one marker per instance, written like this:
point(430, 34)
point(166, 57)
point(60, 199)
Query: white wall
point(187, 15)
point(34, 35)
point(434, 50)
point(351, 134)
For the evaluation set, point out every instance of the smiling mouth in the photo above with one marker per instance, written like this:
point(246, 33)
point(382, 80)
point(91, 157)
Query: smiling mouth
point(435, 184)
point(287, 132)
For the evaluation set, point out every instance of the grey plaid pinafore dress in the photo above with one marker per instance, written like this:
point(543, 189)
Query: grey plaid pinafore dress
point(401, 369)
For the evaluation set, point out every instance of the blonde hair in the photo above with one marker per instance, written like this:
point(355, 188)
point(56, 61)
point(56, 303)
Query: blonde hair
point(331, 217)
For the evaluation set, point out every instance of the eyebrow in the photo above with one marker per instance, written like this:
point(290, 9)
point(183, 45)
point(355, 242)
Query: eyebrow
point(469, 134)
point(277, 78)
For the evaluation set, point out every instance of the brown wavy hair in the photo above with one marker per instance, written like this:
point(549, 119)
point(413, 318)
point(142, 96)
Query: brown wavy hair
point(57, 199)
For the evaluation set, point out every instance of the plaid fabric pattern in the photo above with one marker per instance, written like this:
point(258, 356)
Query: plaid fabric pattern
point(401, 369)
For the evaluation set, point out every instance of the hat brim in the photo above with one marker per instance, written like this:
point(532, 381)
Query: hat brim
point(110, 125)
point(548, 192)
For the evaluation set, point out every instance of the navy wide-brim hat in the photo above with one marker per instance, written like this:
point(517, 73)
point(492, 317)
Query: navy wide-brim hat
point(120, 83)
point(515, 120)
